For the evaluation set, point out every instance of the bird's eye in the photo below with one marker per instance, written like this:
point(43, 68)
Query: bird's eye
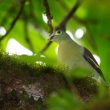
point(58, 32)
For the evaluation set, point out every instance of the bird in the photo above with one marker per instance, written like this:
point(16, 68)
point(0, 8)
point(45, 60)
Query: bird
point(73, 55)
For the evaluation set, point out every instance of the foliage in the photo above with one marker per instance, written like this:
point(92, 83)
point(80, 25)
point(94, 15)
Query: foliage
point(25, 23)
point(64, 101)
point(92, 14)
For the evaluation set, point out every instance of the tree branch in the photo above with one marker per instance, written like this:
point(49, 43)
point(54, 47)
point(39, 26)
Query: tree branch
point(45, 47)
point(84, 22)
point(49, 22)
point(14, 21)
point(62, 24)
point(49, 17)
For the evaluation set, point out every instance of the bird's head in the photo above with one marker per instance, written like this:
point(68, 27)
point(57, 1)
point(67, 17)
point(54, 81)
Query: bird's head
point(59, 36)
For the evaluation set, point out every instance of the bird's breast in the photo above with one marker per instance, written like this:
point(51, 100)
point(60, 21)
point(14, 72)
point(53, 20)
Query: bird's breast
point(69, 54)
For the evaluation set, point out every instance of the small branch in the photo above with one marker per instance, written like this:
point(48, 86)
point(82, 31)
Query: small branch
point(68, 16)
point(84, 22)
point(81, 21)
point(49, 22)
point(49, 17)
point(45, 47)
point(61, 25)
point(14, 21)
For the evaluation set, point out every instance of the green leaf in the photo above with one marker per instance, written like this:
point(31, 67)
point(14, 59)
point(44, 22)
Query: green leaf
point(63, 100)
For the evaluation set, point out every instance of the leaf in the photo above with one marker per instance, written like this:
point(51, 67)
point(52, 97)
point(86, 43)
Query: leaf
point(63, 100)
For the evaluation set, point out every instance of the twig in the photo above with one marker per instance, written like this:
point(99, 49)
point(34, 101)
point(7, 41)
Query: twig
point(81, 21)
point(14, 20)
point(49, 22)
point(48, 14)
point(63, 22)
point(45, 47)
point(49, 17)
point(84, 22)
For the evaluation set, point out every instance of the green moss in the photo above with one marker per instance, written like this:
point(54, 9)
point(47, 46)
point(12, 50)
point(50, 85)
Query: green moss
point(20, 81)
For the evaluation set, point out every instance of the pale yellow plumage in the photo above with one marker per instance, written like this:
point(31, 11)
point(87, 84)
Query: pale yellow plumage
point(73, 55)
point(67, 52)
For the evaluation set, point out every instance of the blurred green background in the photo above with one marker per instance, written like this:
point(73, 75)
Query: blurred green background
point(89, 26)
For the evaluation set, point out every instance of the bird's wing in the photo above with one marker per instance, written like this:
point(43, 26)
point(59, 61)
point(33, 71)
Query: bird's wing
point(91, 60)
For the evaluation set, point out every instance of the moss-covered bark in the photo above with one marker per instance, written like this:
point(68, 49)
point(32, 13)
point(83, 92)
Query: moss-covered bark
point(24, 86)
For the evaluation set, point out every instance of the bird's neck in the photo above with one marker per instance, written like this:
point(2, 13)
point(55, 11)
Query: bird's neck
point(69, 42)
point(70, 46)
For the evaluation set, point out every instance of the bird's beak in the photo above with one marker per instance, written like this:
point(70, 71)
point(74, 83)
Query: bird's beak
point(51, 37)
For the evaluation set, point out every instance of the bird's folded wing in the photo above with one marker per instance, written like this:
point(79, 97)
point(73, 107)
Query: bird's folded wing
point(91, 60)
